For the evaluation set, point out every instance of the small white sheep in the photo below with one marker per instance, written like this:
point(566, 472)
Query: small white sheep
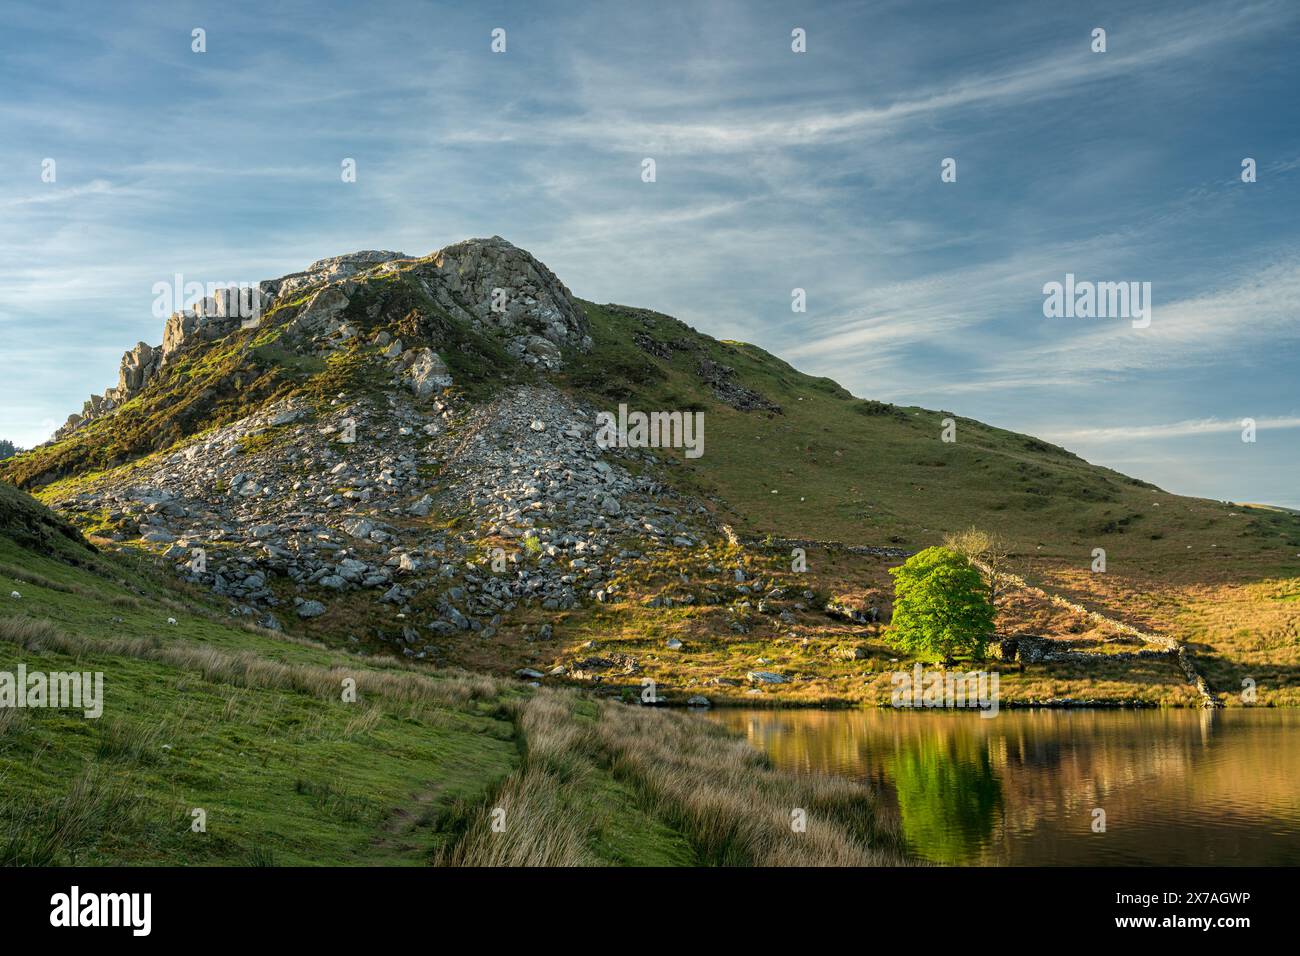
point(15, 595)
point(171, 620)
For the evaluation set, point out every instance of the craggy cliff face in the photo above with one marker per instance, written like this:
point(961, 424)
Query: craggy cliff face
point(489, 284)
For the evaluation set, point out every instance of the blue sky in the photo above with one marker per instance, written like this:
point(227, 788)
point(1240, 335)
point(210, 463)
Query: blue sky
point(775, 170)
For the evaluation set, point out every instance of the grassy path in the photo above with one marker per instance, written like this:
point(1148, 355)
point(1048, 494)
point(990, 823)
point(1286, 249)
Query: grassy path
point(613, 783)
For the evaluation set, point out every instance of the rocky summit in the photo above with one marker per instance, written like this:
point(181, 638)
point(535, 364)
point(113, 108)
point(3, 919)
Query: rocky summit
point(487, 283)
point(449, 511)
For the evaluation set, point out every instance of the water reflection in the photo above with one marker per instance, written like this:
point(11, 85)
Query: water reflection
point(1178, 787)
point(948, 796)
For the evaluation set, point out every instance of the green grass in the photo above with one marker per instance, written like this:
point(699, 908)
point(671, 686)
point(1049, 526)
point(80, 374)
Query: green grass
point(248, 726)
point(250, 731)
point(835, 467)
point(213, 713)
point(286, 773)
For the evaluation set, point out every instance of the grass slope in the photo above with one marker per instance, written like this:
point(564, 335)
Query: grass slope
point(204, 712)
point(826, 466)
point(248, 726)
point(831, 466)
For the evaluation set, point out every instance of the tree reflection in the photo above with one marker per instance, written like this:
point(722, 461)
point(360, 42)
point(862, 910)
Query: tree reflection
point(948, 797)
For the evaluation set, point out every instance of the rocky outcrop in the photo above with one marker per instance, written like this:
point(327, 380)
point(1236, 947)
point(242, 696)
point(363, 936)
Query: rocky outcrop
point(427, 373)
point(321, 315)
point(662, 349)
point(488, 283)
point(184, 329)
point(721, 378)
point(137, 369)
point(324, 271)
point(497, 285)
point(210, 319)
point(214, 317)
point(138, 366)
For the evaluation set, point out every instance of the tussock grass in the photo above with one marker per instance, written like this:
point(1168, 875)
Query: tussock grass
point(691, 776)
point(11, 721)
point(130, 742)
point(52, 833)
point(260, 856)
point(363, 723)
point(540, 826)
point(332, 800)
point(737, 809)
point(28, 632)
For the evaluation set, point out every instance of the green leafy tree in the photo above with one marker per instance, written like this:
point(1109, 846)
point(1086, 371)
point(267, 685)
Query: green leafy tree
point(7, 449)
point(941, 605)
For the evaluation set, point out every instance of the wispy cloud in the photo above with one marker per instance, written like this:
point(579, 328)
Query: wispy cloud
point(776, 171)
point(53, 193)
point(604, 121)
point(1134, 433)
point(1255, 311)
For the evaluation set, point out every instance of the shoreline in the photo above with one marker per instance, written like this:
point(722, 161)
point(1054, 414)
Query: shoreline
point(1060, 704)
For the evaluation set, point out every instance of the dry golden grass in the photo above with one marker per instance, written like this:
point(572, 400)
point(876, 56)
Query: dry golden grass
point(832, 661)
point(531, 820)
point(711, 787)
point(1235, 631)
point(737, 809)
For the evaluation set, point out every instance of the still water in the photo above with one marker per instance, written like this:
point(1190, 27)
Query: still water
point(1178, 787)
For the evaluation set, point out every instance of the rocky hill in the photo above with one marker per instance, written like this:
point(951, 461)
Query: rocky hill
point(404, 452)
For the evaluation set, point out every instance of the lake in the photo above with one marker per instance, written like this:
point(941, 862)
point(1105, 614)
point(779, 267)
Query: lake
point(1178, 787)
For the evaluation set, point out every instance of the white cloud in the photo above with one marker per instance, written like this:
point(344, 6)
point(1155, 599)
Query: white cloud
point(1184, 429)
point(1255, 311)
point(606, 123)
point(55, 193)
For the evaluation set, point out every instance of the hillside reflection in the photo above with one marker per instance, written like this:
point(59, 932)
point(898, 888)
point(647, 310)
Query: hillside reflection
point(1177, 787)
